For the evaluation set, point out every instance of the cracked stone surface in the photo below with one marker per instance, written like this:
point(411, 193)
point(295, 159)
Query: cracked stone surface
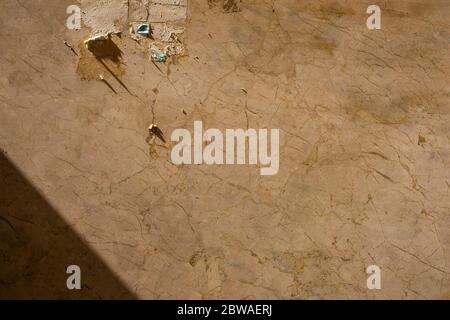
point(365, 156)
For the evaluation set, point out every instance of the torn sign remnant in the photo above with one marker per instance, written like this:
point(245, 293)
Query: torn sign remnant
point(144, 29)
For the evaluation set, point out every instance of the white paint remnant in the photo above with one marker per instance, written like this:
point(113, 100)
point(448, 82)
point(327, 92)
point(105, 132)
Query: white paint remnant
point(104, 17)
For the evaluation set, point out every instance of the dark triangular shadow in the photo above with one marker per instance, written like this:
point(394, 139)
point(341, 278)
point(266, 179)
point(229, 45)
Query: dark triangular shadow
point(37, 245)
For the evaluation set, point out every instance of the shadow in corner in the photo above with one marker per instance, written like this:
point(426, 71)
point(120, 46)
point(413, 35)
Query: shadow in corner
point(37, 246)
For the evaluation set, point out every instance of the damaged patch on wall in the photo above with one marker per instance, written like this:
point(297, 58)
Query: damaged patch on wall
point(157, 26)
point(166, 23)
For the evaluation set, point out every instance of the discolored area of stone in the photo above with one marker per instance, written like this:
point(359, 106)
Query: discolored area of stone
point(364, 156)
point(101, 57)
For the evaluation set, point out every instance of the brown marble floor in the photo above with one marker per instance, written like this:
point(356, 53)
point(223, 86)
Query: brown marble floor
point(364, 158)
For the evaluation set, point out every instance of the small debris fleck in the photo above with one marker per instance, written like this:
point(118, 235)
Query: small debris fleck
point(155, 130)
point(422, 140)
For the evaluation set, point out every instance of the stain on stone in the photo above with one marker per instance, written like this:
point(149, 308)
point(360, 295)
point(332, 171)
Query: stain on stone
point(329, 10)
point(318, 42)
point(387, 111)
point(228, 6)
point(196, 257)
point(423, 8)
point(231, 5)
point(102, 58)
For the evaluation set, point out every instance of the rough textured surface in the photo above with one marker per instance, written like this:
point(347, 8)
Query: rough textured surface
point(104, 16)
point(365, 156)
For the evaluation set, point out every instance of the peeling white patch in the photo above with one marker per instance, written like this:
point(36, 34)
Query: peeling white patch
point(105, 16)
